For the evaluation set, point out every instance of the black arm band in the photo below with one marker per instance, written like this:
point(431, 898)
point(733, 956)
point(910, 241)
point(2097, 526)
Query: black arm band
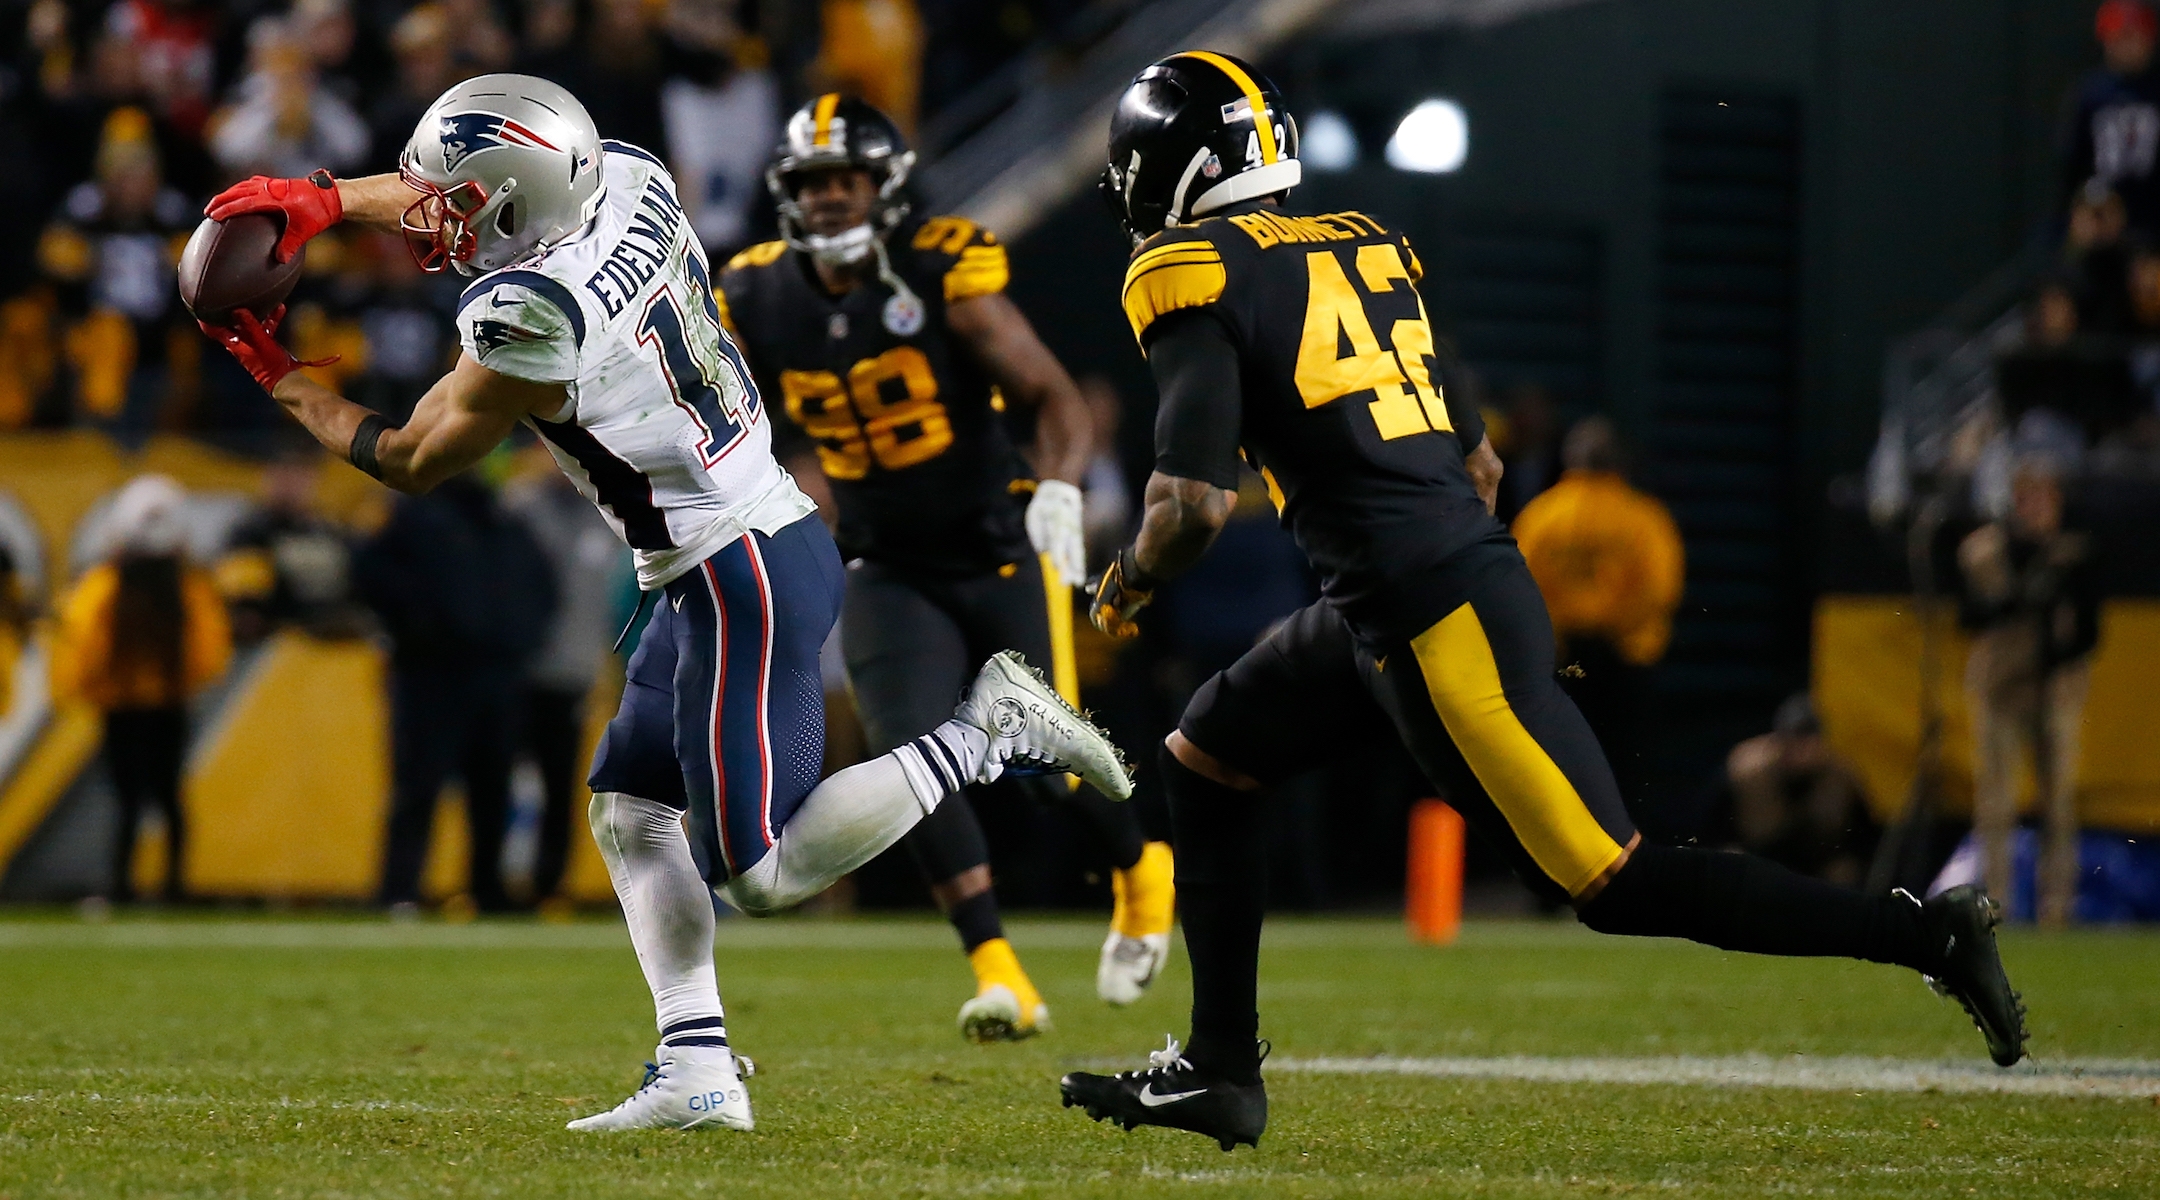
point(362, 451)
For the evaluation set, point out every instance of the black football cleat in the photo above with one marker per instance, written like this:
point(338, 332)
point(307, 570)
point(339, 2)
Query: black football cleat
point(1971, 971)
point(1174, 1094)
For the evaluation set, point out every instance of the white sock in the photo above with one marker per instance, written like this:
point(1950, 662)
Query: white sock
point(669, 911)
point(943, 761)
point(848, 820)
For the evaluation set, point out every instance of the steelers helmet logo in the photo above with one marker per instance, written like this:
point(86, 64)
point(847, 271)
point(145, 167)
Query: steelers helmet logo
point(1008, 717)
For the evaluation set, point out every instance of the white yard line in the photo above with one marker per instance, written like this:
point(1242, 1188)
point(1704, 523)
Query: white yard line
point(2113, 1078)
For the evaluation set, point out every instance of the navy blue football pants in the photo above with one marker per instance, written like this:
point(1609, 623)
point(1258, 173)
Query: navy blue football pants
point(723, 714)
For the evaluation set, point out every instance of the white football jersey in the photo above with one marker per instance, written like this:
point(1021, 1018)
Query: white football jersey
point(664, 429)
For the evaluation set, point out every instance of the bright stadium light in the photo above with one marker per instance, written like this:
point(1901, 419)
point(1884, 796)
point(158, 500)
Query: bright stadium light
point(1327, 143)
point(1433, 139)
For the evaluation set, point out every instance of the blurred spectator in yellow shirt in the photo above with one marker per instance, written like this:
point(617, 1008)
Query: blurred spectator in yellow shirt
point(138, 636)
point(1609, 561)
point(873, 49)
point(14, 627)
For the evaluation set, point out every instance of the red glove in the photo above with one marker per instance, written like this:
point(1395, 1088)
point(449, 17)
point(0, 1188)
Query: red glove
point(255, 344)
point(310, 205)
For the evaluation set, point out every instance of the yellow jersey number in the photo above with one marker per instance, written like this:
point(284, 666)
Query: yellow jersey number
point(886, 410)
point(1405, 399)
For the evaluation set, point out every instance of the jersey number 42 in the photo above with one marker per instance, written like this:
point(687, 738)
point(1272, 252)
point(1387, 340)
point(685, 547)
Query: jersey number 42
point(1406, 401)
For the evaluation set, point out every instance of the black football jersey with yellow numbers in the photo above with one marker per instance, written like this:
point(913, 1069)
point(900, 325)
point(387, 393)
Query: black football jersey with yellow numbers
point(1342, 409)
point(907, 425)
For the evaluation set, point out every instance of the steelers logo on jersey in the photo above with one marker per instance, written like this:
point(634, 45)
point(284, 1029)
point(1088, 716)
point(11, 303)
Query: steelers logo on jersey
point(904, 315)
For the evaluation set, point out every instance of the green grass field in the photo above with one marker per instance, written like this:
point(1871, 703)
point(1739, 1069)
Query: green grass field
point(324, 1058)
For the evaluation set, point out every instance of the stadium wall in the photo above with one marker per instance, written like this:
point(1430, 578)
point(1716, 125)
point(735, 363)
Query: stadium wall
point(1867, 692)
point(287, 780)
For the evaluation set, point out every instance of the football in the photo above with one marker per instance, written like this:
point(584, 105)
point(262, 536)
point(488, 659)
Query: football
point(227, 265)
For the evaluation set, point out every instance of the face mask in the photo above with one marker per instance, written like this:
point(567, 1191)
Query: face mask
point(842, 249)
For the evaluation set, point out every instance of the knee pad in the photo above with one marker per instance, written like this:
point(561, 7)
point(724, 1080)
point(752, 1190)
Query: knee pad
point(756, 892)
point(599, 813)
point(631, 826)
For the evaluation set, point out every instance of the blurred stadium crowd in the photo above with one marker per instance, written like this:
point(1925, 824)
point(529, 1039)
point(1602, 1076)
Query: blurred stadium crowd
point(496, 599)
point(120, 117)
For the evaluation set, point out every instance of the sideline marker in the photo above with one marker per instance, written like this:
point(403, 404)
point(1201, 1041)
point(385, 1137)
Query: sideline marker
point(1432, 891)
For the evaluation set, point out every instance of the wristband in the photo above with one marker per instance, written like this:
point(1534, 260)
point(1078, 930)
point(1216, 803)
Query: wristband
point(362, 451)
point(1129, 571)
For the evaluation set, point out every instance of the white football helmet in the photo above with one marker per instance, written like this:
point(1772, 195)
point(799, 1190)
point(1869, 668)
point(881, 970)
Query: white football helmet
point(506, 166)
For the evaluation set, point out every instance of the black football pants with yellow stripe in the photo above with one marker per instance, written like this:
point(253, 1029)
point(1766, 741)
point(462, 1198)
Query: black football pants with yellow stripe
point(1474, 699)
point(913, 643)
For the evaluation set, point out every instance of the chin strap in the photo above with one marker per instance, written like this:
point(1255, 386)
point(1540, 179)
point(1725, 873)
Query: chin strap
point(891, 278)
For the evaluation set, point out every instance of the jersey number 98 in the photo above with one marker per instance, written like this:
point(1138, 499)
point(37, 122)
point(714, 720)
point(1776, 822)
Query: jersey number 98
point(887, 411)
point(1404, 398)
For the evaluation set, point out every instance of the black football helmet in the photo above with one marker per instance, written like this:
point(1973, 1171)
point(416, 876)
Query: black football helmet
point(840, 131)
point(1193, 133)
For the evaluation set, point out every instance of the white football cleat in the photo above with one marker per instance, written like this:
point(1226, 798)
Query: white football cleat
point(686, 1087)
point(1034, 731)
point(1129, 964)
point(995, 1015)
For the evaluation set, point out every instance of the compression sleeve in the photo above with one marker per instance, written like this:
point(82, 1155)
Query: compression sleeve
point(1196, 373)
point(1468, 419)
point(1462, 407)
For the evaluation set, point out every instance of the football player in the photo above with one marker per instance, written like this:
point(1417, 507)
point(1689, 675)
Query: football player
point(888, 339)
point(1298, 341)
point(590, 320)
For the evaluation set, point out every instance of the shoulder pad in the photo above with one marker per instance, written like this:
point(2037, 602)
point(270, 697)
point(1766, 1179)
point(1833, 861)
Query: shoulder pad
point(1178, 269)
point(524, 324)
point(1410, 258)
point(760, 255)
point(533, 299)
point(978, 264)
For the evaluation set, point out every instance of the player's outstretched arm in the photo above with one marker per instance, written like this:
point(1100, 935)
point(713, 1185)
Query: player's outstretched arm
point(315, 203)
point(376, 202)
point(465, 415)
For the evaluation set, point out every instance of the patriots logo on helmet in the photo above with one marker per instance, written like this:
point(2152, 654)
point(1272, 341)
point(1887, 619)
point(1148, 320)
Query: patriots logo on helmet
point(469, 133)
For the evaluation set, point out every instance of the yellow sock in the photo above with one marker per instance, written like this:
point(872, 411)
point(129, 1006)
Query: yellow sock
point(1146, 893)
point(995, 963)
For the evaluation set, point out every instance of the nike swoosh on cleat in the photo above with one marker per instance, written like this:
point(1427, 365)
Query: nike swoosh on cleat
point(1151, 1098)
